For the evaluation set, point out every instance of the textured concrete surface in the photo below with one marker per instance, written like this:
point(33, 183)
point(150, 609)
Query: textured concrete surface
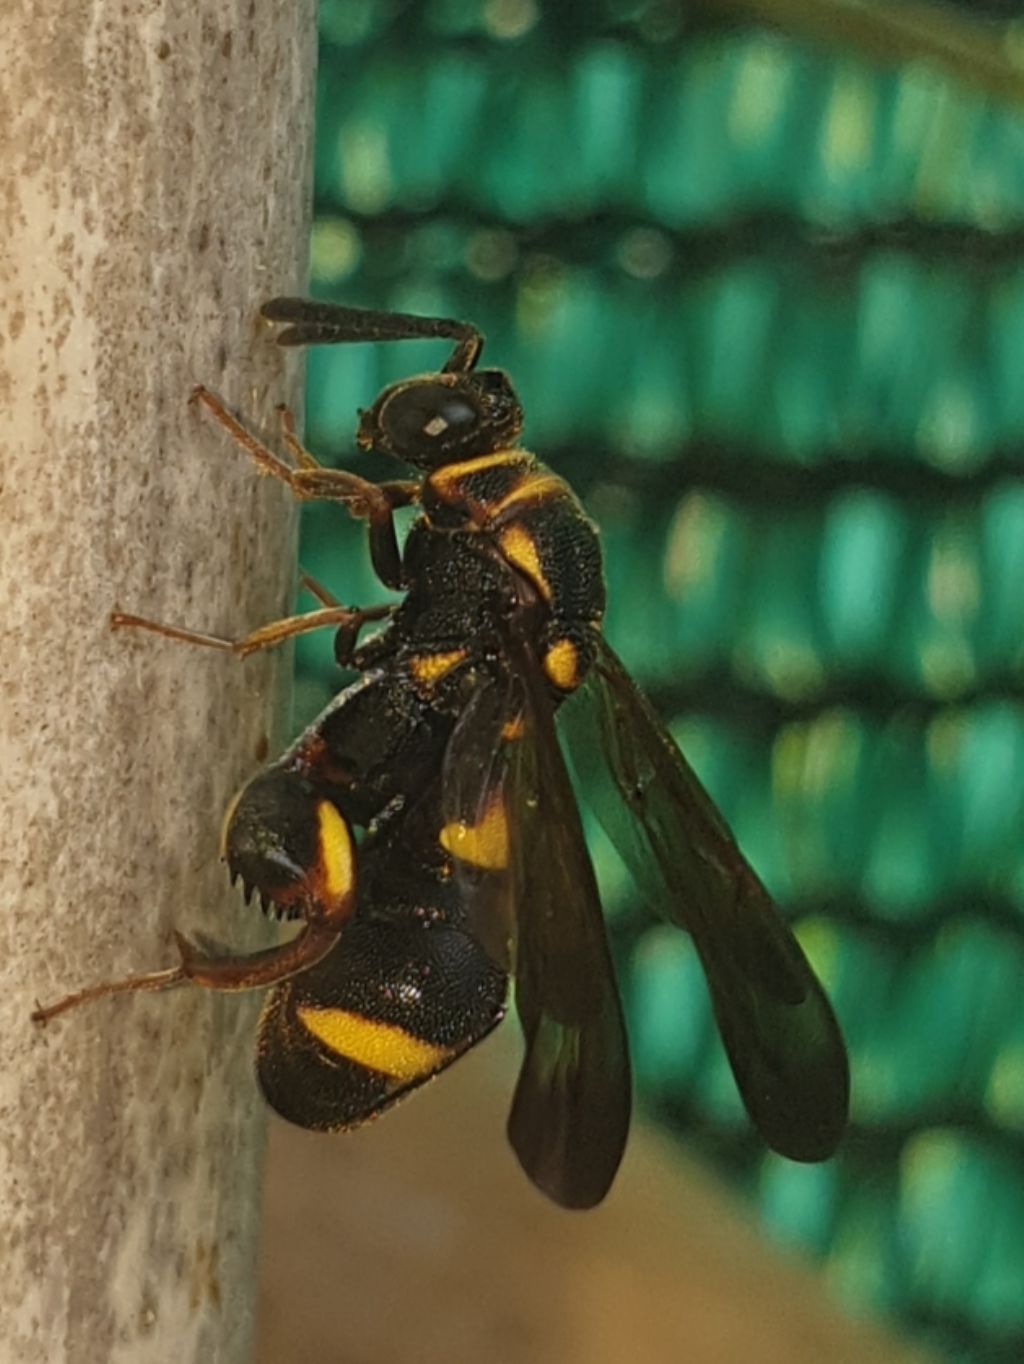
point(153, 191)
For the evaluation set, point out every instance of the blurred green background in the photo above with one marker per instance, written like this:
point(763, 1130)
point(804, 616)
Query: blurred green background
point(763, 300)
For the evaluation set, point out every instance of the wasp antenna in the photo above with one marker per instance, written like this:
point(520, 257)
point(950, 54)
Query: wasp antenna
point(325, 324)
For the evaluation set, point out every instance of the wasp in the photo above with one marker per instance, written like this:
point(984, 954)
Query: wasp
point(424, 830)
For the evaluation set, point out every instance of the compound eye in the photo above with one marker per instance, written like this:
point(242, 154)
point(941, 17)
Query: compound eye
point(428, 418)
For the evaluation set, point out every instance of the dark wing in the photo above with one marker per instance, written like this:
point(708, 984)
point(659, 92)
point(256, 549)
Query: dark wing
point(474, 819)
point(570, 1113)
point(781, 1036)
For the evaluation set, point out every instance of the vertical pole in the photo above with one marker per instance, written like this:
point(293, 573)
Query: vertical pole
point(153, 190)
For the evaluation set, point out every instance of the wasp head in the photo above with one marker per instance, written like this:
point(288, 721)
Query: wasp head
point(437, 419)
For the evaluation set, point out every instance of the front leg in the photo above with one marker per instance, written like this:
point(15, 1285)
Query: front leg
point(373, 502)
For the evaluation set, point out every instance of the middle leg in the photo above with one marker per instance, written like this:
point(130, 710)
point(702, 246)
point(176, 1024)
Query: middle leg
point(342, 618)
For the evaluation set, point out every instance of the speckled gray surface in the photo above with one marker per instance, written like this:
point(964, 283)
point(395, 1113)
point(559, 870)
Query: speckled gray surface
point(154, 192)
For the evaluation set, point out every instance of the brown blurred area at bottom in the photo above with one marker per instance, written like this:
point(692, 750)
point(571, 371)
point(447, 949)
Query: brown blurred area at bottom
point(417, 1238)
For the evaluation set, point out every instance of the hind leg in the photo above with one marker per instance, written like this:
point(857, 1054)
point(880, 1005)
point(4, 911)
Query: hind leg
point(294, 849)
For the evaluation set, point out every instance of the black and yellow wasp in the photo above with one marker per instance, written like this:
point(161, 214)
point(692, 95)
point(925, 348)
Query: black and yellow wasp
point(424, 827)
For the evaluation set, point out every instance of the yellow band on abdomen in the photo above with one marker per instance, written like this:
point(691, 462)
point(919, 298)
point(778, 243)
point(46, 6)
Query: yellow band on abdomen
point(383, 1047)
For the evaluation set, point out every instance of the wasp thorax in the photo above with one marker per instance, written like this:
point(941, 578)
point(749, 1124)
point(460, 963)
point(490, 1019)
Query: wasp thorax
point(439, 418)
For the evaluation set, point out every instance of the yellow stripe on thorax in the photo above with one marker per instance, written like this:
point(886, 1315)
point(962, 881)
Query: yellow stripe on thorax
point(533, 488)
point(383, 1047)
point(445, 482)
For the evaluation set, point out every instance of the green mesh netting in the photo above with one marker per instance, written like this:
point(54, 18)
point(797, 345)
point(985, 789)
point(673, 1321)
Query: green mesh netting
point(765, 308)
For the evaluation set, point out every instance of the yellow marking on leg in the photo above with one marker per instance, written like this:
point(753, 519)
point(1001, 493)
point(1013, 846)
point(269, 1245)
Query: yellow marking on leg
point(428, 669)
point(520, 549)
point(383, 1047)
point(483, 845)
point(562, 665)
point(337, 856)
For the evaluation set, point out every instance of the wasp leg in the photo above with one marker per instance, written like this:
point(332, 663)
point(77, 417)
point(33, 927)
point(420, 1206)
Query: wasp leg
point(347, 638)
point(253, 970)
point(152, 980)
point(374, 503)
point(292, 444)
point(247, 971)
point(401, 492)
point(348, 620)
point(316, 589)
point(292, 847)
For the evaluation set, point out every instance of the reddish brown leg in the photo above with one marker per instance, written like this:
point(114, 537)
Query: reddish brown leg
point(248, 972)
point(295, 848)
point(316, 589)
point(292, 444)
point(311, 481)
point(152, 980)
point(371, 502)
point(338, 617)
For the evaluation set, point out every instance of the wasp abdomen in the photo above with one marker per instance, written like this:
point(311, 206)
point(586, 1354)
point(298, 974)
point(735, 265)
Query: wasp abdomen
point(392, 1005)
